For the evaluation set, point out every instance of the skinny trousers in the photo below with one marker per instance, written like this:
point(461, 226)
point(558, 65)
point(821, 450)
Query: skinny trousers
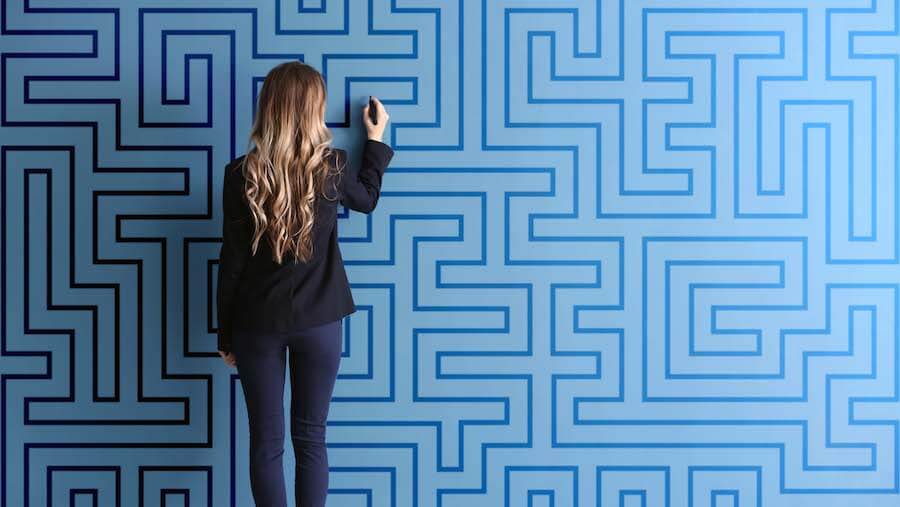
point(314, 355)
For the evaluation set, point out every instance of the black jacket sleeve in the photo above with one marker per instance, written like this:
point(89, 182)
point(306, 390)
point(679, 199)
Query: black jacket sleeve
point(360, 191)
point(237, 230)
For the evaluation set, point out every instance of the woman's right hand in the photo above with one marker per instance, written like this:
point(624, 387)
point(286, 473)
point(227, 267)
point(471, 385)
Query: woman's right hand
point(375, 132)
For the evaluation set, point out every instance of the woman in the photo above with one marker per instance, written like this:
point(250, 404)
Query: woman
point(282, 289)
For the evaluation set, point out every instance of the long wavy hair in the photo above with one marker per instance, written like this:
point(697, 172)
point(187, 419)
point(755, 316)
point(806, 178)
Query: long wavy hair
point(288, 166)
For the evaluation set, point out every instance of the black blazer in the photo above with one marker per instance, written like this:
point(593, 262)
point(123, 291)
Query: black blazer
point(257, 294)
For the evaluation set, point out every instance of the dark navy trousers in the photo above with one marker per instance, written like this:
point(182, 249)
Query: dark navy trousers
point(314, 355)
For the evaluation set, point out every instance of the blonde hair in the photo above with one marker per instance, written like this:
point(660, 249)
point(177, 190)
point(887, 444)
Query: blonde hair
point(288, 166)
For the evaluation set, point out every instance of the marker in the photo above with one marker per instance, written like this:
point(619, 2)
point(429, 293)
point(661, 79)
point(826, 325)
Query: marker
point(373, 112)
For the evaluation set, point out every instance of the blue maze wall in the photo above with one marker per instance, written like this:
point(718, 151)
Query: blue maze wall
point(627, 254)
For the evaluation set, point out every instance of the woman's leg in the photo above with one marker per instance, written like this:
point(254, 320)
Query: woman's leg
point(260, 364)
point(315, 354)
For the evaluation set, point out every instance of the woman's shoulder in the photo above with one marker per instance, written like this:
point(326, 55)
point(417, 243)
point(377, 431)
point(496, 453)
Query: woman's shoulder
point(338, 158)
point(233, 170)
point(235, 162)
point(338, 152)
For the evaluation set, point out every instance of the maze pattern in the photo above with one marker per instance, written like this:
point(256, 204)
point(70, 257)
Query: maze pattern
point(627, 253)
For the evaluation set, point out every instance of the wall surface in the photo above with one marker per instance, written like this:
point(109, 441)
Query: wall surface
point(628, 253)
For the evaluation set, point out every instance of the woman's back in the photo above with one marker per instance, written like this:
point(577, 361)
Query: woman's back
point(277, 297)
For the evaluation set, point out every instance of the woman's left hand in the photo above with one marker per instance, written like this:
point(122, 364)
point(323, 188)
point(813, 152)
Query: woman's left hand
point(228, 358)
